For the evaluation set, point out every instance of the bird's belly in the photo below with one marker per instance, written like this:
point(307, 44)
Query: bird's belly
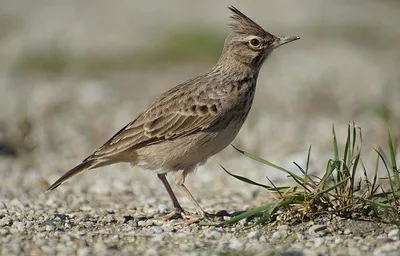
point(185, 153)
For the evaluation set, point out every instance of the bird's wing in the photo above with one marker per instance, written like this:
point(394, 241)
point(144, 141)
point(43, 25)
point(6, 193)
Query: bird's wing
point(167, 119)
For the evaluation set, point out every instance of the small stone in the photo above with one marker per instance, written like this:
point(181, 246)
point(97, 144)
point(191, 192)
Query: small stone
point(13, 230)
point(48, 249)
point(299, 237)
point(388, 247)
point(254, 235)
point(317, 230)
point(83, 251)
point(86, 208)
point(243, 221)
point(338, 240)
point(6, 221)
point(52, 202)
point(49, 228)
point(157, 229)
point(318, 242)
point(279, 235)
point(394, 234)
point(213, 235)
point(167, 227)
point(158, 222)
point(226, 217)
point(180, 235)
point(284, 227)
point(145, 223)
point(235, 244)
point(158, 238)
point(99, 248)
point(347, 232)
point(163, 208)
point(17, 203)
point(20, 225)
point(382, 236)
point(365, 248)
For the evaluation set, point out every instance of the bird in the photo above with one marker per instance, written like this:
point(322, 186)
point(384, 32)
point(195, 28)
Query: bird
point(194, 120)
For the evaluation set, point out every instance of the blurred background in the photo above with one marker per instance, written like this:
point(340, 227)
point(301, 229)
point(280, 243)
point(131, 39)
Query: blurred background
point(72, 73)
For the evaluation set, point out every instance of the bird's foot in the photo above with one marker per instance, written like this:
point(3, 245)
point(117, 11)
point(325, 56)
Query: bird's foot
point(178, 213)
point(189, 218)
point(199, 217)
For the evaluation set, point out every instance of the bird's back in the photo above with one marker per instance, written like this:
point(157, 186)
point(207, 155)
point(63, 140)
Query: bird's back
point(205, 105)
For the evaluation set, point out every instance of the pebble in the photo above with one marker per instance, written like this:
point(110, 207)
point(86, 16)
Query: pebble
point(86, 208)
point(388, 247)
point(347, 232)
point(167, 227)
point(213, 235)
point(317, 230)
point(394, 234)
point(6, 221)
point(156, 229)
point(163, 208)
point(318, 242)
point(48, 249)
point(158, 238)
point(83, 251)
point(99, 248)
point(49, 228)
point(279, 235)
point(235, 244)
point(17, 203)
point(145, 223)
point(253, 235)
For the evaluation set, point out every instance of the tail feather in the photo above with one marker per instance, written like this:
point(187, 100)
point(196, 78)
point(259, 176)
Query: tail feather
point(87, 165)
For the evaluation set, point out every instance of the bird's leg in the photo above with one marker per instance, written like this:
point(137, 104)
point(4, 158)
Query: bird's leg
point(178, 208)
point(179, 179)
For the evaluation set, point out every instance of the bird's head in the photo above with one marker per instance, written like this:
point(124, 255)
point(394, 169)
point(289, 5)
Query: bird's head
point(248, 43)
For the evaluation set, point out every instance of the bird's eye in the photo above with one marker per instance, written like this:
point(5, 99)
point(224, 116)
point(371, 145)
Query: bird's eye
point(255, 42)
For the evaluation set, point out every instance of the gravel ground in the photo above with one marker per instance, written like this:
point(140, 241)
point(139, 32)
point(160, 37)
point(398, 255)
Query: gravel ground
point(344, 68)
point(108, 225)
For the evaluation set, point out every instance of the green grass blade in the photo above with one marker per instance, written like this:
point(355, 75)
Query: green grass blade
point(393, 161)
point(335, 145)
point(308, 159)
point(246, 180)
point(259, 210)
point(332, 187)
point(270, 211)
point(347, 156)
point(390, 179)
point(327, 174)
point(263, 161)
point(337, 163)
point(375, 178)
point(353, 176)
point(377, 204)
point(305, 184)
point(355, 137)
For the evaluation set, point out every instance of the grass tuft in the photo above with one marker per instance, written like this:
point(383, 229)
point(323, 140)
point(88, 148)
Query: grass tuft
point(343, 189)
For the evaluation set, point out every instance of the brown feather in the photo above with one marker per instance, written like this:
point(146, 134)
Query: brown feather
point(245, 25)
point(73, 172)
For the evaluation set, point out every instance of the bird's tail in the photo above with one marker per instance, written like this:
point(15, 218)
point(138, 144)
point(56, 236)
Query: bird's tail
point(86, 165)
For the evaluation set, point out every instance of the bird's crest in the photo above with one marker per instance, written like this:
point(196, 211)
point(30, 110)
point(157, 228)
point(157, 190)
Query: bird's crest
point(244, 25)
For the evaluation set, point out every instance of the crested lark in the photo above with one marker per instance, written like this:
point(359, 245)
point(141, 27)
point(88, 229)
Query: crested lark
point(196, 119)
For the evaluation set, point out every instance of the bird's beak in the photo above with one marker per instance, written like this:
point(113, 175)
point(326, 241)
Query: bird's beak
point(284, 40)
